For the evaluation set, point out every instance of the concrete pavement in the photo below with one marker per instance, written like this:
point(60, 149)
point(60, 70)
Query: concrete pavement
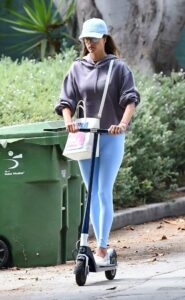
point(145, 280)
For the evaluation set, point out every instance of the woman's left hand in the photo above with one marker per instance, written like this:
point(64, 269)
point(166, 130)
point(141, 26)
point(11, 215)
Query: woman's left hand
point(117, 129)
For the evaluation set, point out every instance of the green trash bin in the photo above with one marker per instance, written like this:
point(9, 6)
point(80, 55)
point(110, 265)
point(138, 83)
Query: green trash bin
point(76, 203)
point(36, 198)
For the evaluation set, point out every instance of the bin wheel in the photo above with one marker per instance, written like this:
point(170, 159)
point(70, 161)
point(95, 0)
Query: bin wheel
point(4, 254)
point(80, 272)
point(110, 274)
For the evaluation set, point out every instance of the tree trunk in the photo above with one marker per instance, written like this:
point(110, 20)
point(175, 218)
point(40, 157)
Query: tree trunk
point(146, 31)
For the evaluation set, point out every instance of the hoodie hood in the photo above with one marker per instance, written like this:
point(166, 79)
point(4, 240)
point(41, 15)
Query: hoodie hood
point(88, 62)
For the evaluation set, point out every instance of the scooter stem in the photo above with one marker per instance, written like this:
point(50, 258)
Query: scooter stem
point(85, 225)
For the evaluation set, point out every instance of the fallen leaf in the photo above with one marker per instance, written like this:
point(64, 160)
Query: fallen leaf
point(181, 228)
point(168, 222)
point(159, 254)
point(164, 237)
point(152, 259)
point(112, 288)
point(130, 228)
point(159, 227)
point(175, 222)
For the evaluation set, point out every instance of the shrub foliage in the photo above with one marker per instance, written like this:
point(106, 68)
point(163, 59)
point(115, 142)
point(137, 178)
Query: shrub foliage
point(154, 161)
point(29, 90)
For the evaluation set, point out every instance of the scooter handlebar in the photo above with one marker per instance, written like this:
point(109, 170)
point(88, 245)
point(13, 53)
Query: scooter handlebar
point(94, 130)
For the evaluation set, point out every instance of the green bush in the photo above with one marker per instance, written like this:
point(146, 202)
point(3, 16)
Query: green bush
point(154, 161)
point(155, 146)
point(169, 104)
point(29, 90)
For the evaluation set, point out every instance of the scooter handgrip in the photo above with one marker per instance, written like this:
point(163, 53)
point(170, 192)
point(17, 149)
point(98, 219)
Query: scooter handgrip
point(55, 129)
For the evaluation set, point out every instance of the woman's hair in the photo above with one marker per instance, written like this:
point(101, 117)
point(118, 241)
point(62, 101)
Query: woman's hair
point(110, 47)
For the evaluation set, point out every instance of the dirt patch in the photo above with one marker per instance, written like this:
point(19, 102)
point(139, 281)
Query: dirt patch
point(148, 241)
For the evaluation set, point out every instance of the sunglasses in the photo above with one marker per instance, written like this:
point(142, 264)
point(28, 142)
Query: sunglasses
point(92, 40)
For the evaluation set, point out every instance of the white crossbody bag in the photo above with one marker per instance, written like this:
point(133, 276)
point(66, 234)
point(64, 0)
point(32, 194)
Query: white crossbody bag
point(79, 144)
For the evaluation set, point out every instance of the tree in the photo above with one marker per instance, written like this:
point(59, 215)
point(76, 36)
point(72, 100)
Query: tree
point(146, 31)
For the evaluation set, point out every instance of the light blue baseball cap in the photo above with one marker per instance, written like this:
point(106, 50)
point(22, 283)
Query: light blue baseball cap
point(95, 28)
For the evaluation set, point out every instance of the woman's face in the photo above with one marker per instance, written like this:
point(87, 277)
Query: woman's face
point(95, 45)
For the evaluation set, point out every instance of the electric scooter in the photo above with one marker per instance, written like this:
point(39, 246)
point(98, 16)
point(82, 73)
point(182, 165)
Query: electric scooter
point(85, 261)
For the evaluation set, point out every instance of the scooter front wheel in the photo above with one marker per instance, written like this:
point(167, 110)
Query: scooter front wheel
point(80, 272)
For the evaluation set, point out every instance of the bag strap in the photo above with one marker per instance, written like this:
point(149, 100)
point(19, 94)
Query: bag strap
point(81, 105)
point(105, 88)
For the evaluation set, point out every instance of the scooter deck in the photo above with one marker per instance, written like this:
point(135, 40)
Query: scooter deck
point(106, 268)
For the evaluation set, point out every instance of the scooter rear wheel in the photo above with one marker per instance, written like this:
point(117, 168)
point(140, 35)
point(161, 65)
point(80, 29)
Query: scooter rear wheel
point(80, 272)
point(110, 274)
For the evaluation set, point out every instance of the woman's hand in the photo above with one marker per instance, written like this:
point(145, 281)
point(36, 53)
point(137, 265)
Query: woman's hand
point(117, 129)
point(71, 126)
point(68, 121)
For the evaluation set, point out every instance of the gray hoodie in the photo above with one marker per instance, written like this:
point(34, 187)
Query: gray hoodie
point(86, 79)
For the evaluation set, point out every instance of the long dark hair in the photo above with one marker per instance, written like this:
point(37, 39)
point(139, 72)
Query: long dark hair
point(110, 47)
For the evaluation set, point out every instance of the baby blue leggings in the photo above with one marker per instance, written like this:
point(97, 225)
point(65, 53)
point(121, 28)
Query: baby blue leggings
point(106, 169)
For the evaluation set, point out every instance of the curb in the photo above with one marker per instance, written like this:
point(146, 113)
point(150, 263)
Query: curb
point(146, 213)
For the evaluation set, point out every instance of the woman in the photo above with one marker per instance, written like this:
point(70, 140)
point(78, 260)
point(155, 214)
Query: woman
point(86, 80)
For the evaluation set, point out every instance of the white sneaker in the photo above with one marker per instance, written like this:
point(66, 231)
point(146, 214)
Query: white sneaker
point(102, 261)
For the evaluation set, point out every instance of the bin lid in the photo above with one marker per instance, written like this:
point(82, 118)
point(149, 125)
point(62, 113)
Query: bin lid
point(33, 132)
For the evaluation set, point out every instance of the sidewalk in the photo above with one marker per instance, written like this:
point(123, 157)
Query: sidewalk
point(162, 280)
